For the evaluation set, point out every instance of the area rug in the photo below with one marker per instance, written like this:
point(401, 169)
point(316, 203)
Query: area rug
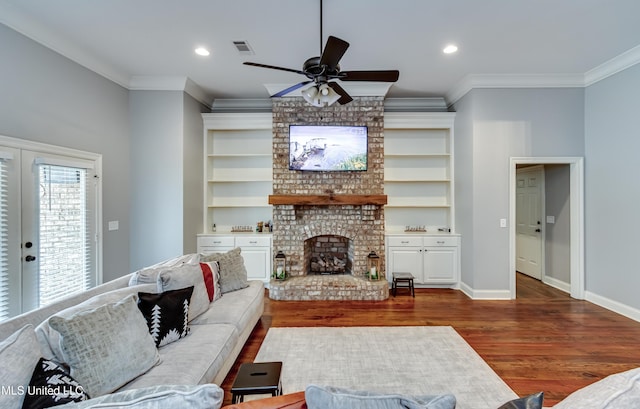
point(407, 360)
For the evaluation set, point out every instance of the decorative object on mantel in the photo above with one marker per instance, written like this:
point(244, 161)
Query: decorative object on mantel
point(280, 267)
point(241, 229)
point(373, 266)
point(324, 69)
point(415, 229)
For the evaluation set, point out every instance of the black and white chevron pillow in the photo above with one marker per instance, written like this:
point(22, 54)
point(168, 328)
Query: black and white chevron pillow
point(166, 314)
point(51, 385)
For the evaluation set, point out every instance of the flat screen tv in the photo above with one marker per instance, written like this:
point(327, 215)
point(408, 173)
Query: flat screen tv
point(327, 148)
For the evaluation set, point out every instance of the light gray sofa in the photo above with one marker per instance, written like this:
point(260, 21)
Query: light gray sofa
point(204, 356)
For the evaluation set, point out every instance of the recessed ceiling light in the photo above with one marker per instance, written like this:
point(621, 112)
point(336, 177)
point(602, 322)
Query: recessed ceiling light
point(202, 51)
point(450, 49)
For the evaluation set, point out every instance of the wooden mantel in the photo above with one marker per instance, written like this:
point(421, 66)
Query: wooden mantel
point(318, 200)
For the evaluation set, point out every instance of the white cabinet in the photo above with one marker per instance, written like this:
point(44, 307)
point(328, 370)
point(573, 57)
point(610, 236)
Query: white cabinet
point(433, 260)
point(238, 170)
point(418, 171)
point(255, 250)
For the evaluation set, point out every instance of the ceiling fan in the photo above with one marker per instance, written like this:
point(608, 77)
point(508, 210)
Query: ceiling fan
point(324, 70)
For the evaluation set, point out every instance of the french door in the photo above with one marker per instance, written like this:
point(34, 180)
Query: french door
point(50, 219)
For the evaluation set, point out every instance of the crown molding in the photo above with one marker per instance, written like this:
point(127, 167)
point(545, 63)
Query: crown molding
point(28, 27)
point(169, 83)
point(355, 89)
point(435, 104)
point(473, 81)
point(613, 66)
point(242, 105)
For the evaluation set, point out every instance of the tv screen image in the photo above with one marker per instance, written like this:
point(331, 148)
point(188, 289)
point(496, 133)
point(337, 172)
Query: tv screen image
point(327, 148)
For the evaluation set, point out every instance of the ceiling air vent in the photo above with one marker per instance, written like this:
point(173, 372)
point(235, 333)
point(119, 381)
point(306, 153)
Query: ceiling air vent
point(243, 47)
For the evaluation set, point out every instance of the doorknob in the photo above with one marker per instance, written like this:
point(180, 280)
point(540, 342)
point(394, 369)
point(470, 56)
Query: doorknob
point(30, 258)
point(538, 230)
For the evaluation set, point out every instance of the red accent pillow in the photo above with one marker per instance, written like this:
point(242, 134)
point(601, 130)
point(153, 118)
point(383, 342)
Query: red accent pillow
point(211, 275)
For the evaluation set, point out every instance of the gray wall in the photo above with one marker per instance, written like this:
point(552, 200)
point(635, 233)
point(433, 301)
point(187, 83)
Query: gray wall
point(166, 175)
point(193, 194)
point(47, 98)
point(557, 235)
point(612, 138)
point(499, 124)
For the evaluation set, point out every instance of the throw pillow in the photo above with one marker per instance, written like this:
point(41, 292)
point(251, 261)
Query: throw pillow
point(19, 354)
point(52, 385)
point(187, 275)
point(166, 314)
point(617, 391)
point(211, 274)
point(319, 397)
point(533, 401)
point(106, 347)
point(233, 273)
point(50, 339)
point(150, 274)
point(207, 396)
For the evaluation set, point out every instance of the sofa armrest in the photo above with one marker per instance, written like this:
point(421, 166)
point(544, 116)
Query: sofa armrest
point(289, 401)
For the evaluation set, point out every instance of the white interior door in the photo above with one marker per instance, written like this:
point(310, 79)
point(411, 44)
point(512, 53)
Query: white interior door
point(529, 235)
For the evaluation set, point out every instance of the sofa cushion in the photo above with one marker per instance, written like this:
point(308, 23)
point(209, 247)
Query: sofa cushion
point(193, 360)
point(149, 275)
point(237, 309)
point(166, 314)
point(617, 391)
point(186, 275)
point(233, 273)
point(19, 354)
point(208, 396)
point(106, 347)
point(211, 274)
point(50, 338)
point(319, 397)
point(52, 385)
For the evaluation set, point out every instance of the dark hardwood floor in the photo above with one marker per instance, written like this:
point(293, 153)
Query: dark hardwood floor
point(542, 341)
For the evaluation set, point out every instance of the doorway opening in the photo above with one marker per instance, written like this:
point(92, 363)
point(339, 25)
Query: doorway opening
point(575, 240)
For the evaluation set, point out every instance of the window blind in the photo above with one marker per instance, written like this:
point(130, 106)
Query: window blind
point(66, 258)
point(4, 239)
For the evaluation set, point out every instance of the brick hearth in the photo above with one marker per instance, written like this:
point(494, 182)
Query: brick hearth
point(328, 287)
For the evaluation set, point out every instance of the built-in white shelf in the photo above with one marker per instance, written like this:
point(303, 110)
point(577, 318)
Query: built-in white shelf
point(418, 170)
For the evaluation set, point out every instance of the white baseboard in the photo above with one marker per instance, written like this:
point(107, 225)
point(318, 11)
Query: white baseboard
point(614, 306)
point(485, 294)
point(555, 283)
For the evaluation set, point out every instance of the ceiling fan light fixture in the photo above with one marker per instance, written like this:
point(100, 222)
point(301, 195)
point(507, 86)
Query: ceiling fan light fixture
point(312, 96)
point(328, 95)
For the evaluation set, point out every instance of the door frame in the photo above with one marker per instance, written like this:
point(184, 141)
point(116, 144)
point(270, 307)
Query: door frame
point(576, 205)
point(542, 197)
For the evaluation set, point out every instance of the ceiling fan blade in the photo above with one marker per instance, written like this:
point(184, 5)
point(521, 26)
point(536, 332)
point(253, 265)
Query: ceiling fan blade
point(273, 67)
point(379, 76)
point(333, 52)
point(345, 98)
point(291, 88)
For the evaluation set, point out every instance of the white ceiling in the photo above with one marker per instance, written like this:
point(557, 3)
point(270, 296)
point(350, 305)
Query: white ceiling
point(508, 42)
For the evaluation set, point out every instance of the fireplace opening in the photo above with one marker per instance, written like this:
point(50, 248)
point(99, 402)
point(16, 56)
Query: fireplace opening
point(328, 254)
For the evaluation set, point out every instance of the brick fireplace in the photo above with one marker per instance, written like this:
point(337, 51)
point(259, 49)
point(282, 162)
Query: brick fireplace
point(328, 207)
